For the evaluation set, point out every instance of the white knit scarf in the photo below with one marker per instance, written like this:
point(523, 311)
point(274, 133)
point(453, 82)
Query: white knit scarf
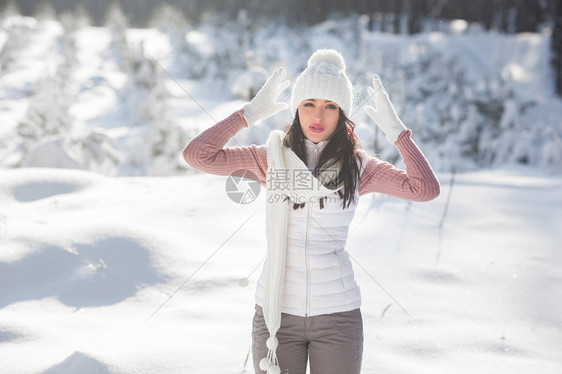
point(283, 161)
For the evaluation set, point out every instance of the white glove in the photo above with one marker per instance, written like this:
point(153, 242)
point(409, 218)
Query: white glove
point(263, 104)
point(384, 116)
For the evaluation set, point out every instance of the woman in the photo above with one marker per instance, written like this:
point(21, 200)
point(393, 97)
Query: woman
point(307, 300)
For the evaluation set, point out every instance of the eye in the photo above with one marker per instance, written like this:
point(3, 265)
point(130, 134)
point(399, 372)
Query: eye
point(331, 106)
point(309, 104)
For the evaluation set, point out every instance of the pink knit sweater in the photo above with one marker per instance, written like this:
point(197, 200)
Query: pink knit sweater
point(207, 152)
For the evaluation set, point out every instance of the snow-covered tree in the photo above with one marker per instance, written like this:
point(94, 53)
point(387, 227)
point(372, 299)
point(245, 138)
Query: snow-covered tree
point(439, 84)
point(144, 90)
point(92, 151)
point(9, 10)
point(226, 54)
point(45, 11)
point(157, 149)
point(47, 119)
point(67, 49)
point(15, 34)
point(430, 93)
point(82, 15)
point(96, 151)
point(167, 141)
point(171, 21)
point(249, 82)
point(48, 111)
point(502, 136)
point(72, 21)
point(48, 136)
point(117, 24)
point(551, 151)
point(470, 123)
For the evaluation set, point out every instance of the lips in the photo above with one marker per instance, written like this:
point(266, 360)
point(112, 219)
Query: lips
point(316, 128)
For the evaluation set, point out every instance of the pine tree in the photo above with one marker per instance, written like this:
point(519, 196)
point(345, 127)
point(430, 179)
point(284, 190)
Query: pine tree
point(556, 46)
point(67, 45)
point(47, 119)
point(49, 136)
point(158, 149)
point(171, 21)
point(18, 31)
point(45, 11)
point(117, 24)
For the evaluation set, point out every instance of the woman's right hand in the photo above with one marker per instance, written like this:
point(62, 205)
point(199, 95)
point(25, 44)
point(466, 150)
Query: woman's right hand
point(263, 105)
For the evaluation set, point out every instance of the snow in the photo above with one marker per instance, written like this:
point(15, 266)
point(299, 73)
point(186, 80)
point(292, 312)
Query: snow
point(90, 255)
point(87, 259)
point(151, 87)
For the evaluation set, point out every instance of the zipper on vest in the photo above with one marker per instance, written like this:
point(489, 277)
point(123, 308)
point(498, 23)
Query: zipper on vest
point(307, 306)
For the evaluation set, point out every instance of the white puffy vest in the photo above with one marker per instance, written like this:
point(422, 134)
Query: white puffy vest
point(319, 277)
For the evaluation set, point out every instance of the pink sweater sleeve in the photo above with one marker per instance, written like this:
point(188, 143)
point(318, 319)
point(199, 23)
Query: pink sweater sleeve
point(416, 183)
point(207, 151)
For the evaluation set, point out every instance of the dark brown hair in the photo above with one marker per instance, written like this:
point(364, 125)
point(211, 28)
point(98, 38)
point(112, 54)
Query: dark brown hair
point(343, 146)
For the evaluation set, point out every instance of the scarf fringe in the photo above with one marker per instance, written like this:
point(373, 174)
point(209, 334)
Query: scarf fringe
point(270, 364)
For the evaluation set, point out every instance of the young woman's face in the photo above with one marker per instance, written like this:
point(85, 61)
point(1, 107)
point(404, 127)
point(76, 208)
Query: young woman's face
point(319, 119)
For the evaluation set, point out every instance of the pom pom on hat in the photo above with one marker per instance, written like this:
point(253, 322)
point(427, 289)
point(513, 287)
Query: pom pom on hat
point(327, 55)
point(324, 78)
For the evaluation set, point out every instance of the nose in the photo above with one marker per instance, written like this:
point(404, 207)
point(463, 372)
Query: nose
point(318, 115)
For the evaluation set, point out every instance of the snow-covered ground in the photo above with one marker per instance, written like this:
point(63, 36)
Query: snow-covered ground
point(85, 260)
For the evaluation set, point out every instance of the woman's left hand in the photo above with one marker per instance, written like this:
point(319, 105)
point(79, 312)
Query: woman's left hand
point(384, 115)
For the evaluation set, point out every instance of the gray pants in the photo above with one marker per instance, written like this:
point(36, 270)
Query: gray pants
point(332, 342)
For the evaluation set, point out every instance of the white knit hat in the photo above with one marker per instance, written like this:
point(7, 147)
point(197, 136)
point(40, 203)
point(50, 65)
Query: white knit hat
point(324, 78)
